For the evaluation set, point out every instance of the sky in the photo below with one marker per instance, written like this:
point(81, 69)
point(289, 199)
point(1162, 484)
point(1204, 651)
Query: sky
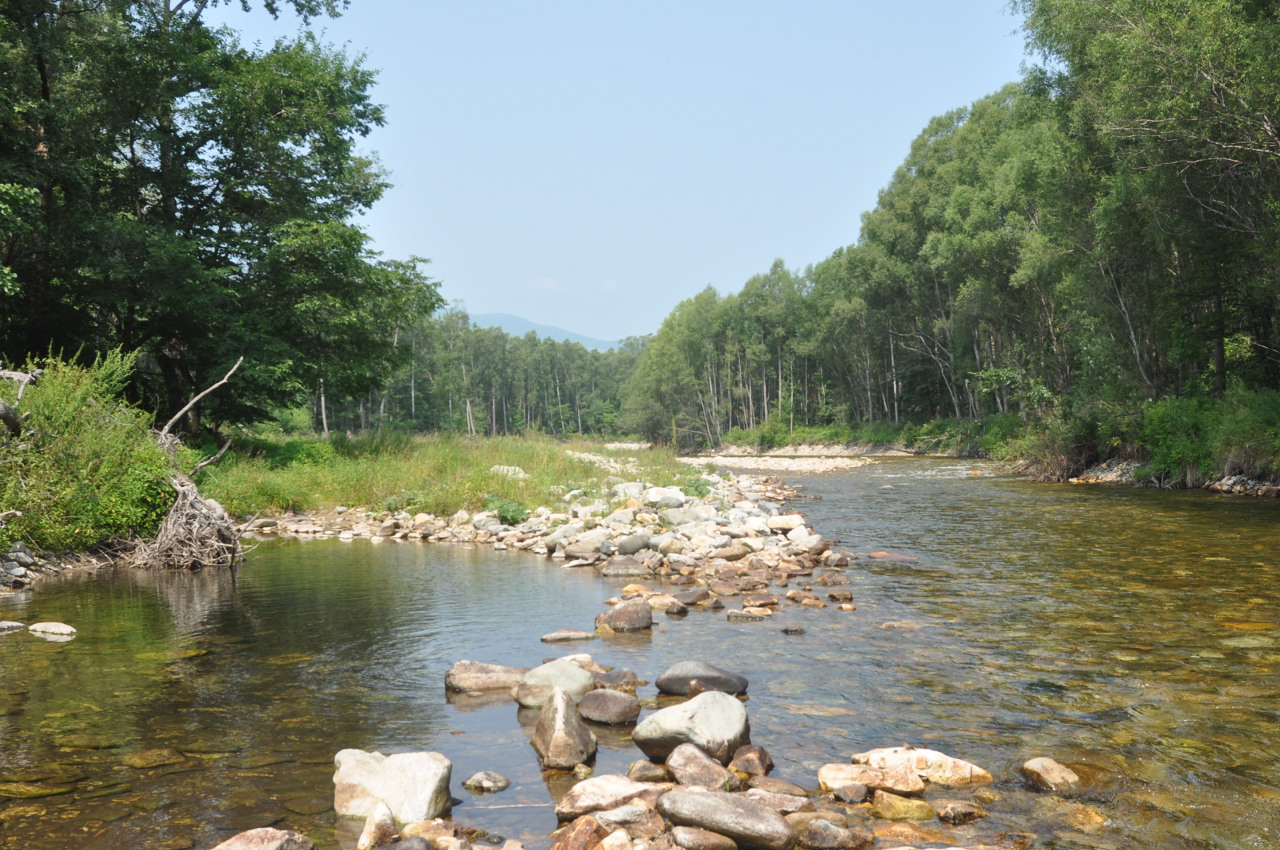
point(589, 164)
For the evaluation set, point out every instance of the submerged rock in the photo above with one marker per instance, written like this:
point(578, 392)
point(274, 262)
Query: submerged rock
point(679, 679)
point(936, 767)
point(1045, 774)
point(267, 838)
point(537, 684)
point(414, 785)
point(477, 676)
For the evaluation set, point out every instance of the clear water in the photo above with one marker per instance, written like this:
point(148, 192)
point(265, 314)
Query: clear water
point(1133, 634)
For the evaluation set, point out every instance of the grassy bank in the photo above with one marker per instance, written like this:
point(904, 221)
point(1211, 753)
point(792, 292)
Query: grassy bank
point(438, 474)
point(1180, 442)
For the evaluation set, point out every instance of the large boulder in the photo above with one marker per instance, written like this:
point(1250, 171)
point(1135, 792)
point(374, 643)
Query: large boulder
point(631, 616)
point(477, 676)
point(537, 684)
point(679, 678)
point(713, 721)
point(601, 793)
point(936, 767)
point(561, 739)
point(745, 821)
point(415, 786)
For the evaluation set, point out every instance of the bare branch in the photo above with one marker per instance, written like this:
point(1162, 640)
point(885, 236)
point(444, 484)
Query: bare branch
point(212, 460)
point(164, 432)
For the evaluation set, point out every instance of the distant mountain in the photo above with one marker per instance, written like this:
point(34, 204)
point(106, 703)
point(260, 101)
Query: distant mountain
point(516, 326)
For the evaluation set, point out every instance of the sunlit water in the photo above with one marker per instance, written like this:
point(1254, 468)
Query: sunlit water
point(1131, 633)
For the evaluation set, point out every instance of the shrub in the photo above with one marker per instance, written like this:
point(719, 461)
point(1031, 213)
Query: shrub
point(89, 472)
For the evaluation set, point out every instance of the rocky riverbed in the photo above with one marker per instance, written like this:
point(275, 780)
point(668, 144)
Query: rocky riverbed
point(732, 544)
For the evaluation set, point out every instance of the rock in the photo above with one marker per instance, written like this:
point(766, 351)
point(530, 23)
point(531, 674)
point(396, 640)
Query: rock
point(623, 567)
point(153, 758)
point(938, 768)
point(892, 807)
point(267, 839)
point(10, 625)
point(638, 820)
point(566, 635)
point(585, 833)
point(854, 793)
point(537, 684)
point(379, 828)
point(899, 780)
point(616, 840)
point(52, 628)
point(601, 793)
point(693, 596)
point(620, 680)
point(487, 782)
point(610, 707)
point(632, 616)
point(412, 843)
point(646, 771)
point(751, 760)
point(476, 676)
point(664, 497)
point(714, 722)
point(733, 552)
point(678, 678)
point(1045, 774)
point(745, 821)
point(633, 543)
point(958, 812)
point(691, 766)
point(793, 630)
point(748, 615)
point(776, 786)
point(785, 522)
point(820, 834)
point(561, 739)
point(415, 786)
point(783, 804)
point(692, 838)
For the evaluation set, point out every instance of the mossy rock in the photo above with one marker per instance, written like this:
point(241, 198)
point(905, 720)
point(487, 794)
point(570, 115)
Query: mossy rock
point(31, 790)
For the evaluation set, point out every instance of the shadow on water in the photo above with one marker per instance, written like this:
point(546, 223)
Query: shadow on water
point(1130, 633)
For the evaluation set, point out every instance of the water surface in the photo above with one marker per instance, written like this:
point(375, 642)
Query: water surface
point(1134, 634)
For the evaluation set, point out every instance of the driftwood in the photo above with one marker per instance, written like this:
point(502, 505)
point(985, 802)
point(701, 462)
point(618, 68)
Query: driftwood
point(9, 416)
point(196, 532)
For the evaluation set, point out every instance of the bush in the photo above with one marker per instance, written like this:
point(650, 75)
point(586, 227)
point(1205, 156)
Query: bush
point(1175, 431)
point(90, 471)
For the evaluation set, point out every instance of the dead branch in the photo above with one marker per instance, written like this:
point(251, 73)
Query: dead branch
point(211, 460)
point(183, 412)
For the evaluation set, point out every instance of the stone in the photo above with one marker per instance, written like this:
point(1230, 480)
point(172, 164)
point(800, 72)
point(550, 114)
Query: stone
point(379, 828)
point(486, 782)
point(561, 739)
point(585, 833)
point(748, 615)
point(477, 676)
point(267, 839)
point(714, 722)
point(936, 767)
point(745, 821)
point(664, 497)
point(10, 625)
point(733, 552)
point(691, 766)
point(567, 635)
point(785, 522)
point(899, 780)
point(958, 812)
point(537, 684)
point(435, 831)
point(632, 616)
point(1045, 774)
point(892, 807)
point(783, 804)
point(646, 771)
point(415, 786)
point(153, 758)
point(624, 567)
point(776, 786)
point(52, 628)
point(612, 708)
point(821, 834)
point(854, 793)
point(639, 820)
point(679, 677)
point(633, 543)
point(411, 843)
point(693, 596)
point(751, 760)
point(604, 792)
point(692, 838)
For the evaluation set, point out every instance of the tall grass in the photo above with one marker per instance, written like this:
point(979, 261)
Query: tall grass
point(438, 474)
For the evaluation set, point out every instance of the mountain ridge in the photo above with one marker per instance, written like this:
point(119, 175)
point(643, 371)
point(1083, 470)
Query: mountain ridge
point(518, 326)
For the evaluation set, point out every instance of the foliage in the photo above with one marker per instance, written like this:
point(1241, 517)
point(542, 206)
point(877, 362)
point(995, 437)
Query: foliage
point(88, 470)
point(508, 511)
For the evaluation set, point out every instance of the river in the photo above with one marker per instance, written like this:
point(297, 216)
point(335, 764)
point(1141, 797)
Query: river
point(1134, 634)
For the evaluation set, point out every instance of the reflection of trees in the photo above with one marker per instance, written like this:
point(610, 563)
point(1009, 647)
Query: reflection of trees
point(192, 597)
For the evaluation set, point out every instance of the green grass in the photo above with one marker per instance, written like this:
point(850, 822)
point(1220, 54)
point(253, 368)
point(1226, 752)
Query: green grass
point(438, 474)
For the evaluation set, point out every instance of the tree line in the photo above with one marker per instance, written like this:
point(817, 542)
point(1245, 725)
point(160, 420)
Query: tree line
point(1100, 234)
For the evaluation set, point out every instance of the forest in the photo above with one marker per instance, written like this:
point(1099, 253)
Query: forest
point(1085, 263)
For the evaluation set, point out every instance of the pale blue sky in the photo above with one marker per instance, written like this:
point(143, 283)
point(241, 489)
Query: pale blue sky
point(591, 164)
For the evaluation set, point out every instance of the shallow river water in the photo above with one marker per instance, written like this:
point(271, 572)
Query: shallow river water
point(1133, 634)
